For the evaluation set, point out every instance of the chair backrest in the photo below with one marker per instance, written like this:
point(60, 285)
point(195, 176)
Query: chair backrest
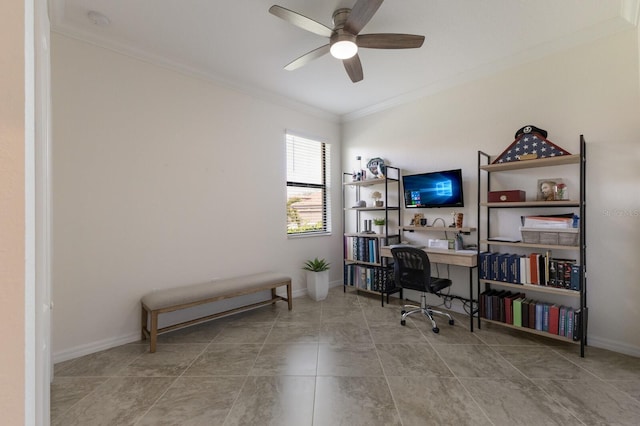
point(411, 268)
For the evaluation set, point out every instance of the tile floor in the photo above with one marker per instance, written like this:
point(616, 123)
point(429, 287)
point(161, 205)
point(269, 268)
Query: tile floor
point(346, 361)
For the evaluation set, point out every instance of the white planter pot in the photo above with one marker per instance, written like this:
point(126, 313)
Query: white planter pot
point(318, 284)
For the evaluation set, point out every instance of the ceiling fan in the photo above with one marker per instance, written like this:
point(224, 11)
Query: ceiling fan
point(344, 37)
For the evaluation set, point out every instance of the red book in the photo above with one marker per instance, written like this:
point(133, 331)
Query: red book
point(534, 267)
point(554, 317)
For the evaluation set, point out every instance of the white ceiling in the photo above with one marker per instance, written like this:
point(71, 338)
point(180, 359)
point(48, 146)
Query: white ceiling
point(237, 42)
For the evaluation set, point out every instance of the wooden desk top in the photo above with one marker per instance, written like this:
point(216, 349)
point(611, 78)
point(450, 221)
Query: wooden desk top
point(450, 257)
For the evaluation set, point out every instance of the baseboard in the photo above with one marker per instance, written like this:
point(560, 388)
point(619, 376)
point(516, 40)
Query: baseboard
point(612, 345)
point(93, 347)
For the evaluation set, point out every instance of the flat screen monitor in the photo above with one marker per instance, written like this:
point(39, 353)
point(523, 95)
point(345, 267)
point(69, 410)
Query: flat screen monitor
point(433, 189)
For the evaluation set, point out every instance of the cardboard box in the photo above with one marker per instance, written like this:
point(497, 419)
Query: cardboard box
point(506, 196)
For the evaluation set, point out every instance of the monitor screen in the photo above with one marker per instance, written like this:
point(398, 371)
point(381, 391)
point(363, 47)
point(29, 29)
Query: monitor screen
point(434, 189)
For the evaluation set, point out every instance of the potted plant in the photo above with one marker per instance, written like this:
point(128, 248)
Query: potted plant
point(317, 278)
point(379, 222)
point(376, 195)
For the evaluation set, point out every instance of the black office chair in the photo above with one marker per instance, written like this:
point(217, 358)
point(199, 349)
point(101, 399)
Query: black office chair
point(412, 270)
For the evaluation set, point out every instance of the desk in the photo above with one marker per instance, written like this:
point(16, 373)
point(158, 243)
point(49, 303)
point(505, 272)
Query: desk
point(449, 257)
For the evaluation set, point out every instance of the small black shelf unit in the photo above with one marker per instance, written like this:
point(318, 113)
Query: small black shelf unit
point(364, 268)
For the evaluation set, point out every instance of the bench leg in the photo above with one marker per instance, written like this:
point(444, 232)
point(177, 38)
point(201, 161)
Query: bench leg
point(153, 333)
point(289, 300)
point(143, 322)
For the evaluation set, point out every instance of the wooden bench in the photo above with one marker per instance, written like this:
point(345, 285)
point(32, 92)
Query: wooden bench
point(177, 298)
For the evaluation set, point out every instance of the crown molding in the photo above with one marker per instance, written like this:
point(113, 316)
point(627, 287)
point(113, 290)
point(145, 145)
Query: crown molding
point(591, 34)
point(193, 72)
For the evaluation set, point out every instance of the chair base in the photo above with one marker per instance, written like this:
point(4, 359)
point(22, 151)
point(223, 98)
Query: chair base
point(426, 311)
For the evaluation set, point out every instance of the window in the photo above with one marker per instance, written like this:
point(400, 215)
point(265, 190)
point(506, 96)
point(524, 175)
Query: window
point(308, 206)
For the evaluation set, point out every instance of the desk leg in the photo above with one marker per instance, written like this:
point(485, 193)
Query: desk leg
point(471, 299)
point(478, 289)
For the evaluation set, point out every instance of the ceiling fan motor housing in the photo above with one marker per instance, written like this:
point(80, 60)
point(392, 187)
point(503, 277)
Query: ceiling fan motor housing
point(339, 17)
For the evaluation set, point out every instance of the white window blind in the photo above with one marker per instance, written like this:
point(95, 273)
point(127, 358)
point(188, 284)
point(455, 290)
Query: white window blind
point(308, 205)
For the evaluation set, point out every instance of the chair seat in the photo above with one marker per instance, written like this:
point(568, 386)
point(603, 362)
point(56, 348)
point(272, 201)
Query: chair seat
point(435, 285)
point(438, 284)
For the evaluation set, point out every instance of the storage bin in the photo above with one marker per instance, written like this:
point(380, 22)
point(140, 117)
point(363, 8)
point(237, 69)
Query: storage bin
point(550, 236)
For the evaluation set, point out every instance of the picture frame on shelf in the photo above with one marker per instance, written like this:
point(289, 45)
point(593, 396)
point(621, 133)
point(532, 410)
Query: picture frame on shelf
point(417, 219)
point(552, 189)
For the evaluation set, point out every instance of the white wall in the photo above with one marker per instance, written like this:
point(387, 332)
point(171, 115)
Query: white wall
point(161, 179)
point(591, 90)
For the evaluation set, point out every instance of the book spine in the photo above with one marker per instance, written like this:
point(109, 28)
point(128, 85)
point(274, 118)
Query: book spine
point(554, 314)
point(533, 257)
point(575, 278)
point(569, 325)
point(545, 317)
point(517, 312)
point(539, 316)
point(577, 324)
point(495, 267)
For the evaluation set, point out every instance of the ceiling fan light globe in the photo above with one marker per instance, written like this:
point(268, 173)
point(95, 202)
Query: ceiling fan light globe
point(344, 49)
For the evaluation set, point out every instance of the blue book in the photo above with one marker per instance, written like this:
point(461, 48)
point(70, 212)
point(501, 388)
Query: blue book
point(575, 277)
point(545, 317)
point(484, 259)
point(503, 266)
point(539, 316)
point(514, 269)
point(495, 266)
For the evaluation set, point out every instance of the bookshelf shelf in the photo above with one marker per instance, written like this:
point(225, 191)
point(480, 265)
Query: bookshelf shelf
point(537, 288)
point(528, 245)
point(437, 229)
point(531, 259)
point(516, 204)
point(372, 209)
point(530, 164)
point(362, 234)
point(367, 182)
point(365, 269)
point(360, 262)
point(532, 331)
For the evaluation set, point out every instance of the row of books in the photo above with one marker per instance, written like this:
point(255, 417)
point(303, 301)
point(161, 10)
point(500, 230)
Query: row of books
point(533, 268)
point(368, 277)
point(363, 249)
point(518, 310)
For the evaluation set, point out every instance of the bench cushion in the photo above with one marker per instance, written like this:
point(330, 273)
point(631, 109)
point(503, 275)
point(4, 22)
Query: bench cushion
point(168, 297)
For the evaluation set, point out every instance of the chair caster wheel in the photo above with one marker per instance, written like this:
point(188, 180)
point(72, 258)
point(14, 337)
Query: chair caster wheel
point(436, 330)
point(451, 322)
point(403, 322)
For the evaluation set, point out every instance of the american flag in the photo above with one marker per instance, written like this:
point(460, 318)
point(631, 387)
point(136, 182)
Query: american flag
point(530, 143)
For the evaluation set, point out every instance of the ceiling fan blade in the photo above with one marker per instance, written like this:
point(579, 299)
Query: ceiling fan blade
point(308, 57)
point(389, 41)
point(354, 68)
point(361, 13)
point(301, 21)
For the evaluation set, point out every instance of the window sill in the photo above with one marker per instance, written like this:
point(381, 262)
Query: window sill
point(308, 235)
